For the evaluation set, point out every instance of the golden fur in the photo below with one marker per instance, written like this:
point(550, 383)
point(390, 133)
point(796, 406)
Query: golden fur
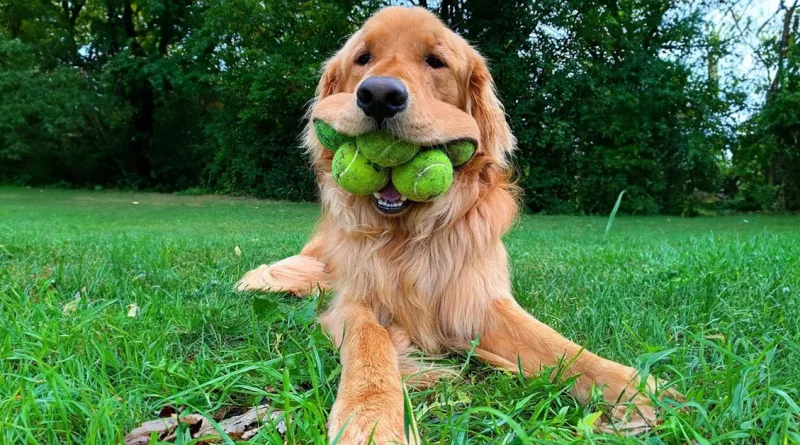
point(436, 276)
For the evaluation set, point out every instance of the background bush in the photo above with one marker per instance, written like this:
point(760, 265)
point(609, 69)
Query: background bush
point(603, 96)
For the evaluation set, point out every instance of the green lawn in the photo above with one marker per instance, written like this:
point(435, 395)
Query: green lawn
point(710, 303)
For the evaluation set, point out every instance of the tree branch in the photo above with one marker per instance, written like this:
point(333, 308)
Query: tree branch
point(755, 50)
point(766, 22)
point(71, 11)
point(130, 29)
point(76, 11)
point(783, 49)
point(165, 28)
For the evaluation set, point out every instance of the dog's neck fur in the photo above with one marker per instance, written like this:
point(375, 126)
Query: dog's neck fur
point(429, 271)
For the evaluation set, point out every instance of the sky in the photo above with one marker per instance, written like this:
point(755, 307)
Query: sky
point(743, 61)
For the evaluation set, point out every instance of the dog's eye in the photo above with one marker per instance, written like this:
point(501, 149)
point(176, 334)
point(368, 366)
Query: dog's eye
point(364, 59)
point(434, 62)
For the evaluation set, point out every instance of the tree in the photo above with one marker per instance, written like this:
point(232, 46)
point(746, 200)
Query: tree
point(767, 159)
point(602, 96)
point(602, 99)
point(55, 125)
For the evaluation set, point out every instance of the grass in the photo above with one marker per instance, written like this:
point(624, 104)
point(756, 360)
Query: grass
point(712, 304)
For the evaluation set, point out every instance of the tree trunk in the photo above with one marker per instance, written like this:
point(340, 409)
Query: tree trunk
point(143, 101)
point(445, 10)
point(71, 12)
point(783, 49)
point(775, 175)
point(111, 18)
point(130, 29)
point(712, 58)
point(14, 22)
point(143, 125)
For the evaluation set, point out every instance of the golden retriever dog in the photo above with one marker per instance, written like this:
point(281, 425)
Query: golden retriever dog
point(426, 277)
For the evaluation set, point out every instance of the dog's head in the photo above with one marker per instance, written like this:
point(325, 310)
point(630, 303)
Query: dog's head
point(406, 73)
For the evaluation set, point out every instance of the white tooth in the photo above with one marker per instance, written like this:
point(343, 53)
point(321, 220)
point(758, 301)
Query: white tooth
point(391, 204)
point(377, 195)
point(403, 198)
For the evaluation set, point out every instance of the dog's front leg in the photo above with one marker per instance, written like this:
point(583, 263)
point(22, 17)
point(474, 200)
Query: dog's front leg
point(370, 399)
point(300, 274)
point(510, 334)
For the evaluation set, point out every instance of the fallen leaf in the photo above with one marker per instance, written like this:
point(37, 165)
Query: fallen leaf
point(250, 434)
point(141, 435)
point(237, 251)
point(224, 412)
point(235, 427)
point(241, 427)
point(72, 306)
point(133, 310)
point(163, 428)
point(190, 419)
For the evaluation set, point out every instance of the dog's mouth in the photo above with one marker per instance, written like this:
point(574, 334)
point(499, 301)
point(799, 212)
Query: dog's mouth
point(389, 201)
point(431, 123)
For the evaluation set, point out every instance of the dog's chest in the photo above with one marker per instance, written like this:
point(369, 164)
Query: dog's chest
point(439, 286)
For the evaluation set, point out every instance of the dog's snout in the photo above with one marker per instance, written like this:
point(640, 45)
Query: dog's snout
point(382, 97)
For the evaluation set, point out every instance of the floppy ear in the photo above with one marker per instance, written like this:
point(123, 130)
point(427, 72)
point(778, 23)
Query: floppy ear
point(329, 84)
point(484, 106)
point(331, 78)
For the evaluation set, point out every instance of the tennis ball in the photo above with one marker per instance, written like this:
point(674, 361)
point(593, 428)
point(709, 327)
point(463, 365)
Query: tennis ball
point(328, 137)
point(357, 174)
point(385, 149)
point(460, 152)
point(425, 177)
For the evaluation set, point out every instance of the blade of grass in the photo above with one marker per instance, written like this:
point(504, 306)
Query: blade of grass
point(614, 212)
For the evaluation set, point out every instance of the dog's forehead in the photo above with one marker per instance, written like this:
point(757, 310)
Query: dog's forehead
point(404, 27)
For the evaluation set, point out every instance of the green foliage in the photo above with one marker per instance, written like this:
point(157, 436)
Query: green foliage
point(767, 158)
point(55, 125)
point(596, 104)
point(265, 65)
point(603, 97)
point(209, 94)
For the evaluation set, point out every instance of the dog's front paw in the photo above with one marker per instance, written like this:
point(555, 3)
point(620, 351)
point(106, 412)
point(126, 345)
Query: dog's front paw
point(632, 411)
point(257, 279)
point(300, 275)
point(368, 424)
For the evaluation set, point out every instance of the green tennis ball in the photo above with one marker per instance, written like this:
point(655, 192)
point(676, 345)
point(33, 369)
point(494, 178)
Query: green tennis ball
point(328, 137)
point(357, 174)
point(460, 152)
point(385, 149)
point(425, 177)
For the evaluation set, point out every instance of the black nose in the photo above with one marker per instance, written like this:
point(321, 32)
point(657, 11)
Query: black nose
point(382, 97)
